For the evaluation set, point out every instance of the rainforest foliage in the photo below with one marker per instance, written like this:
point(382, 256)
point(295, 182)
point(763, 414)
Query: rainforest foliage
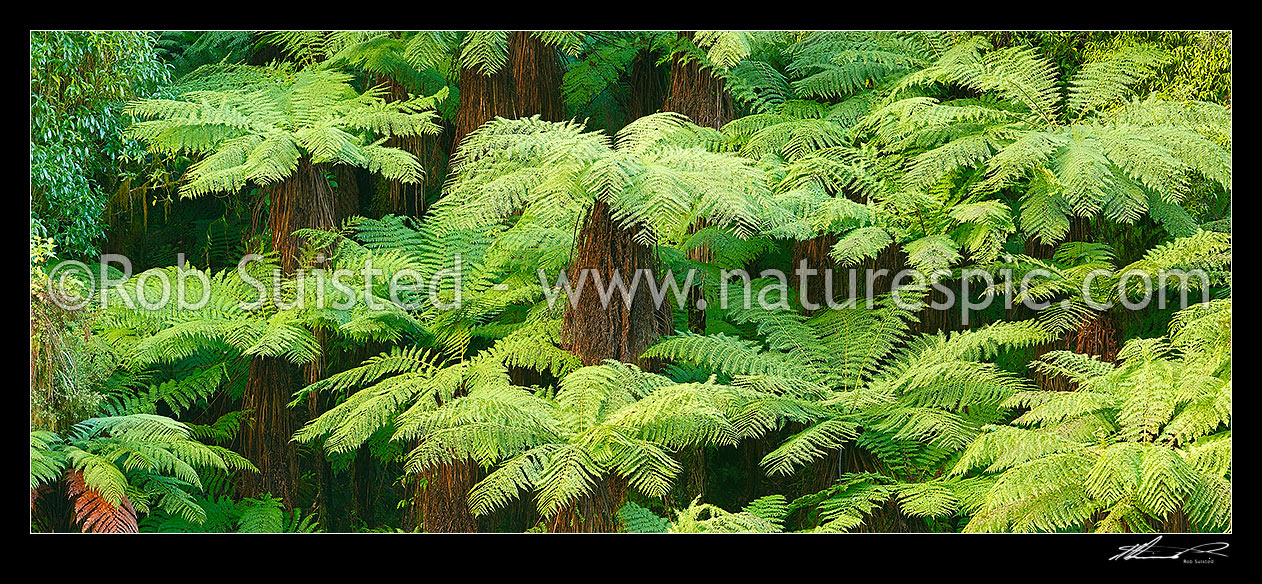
point(500, 403)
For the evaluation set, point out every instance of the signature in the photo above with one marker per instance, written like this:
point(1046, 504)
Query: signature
point(1152, 551)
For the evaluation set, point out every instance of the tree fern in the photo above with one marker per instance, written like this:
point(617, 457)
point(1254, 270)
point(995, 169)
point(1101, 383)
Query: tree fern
point(1126, 451)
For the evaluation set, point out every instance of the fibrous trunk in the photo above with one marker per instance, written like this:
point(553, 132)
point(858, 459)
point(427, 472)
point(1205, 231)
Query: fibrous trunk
point(311, 373)
point(1100, 334)
point(880, 269)
point(596, 512)
point(619, 330)
point(529, 84)
point(304, 200)
point(537, 76)
point(442, 498)
point(702, 97)
point(265, 439)
point(815, 253)
point(409, 198)
point(933, 320)
point(695, 92)
point(647, 92)
point(482, 97)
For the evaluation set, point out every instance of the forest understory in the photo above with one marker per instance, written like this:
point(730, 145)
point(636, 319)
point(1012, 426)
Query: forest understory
point(397, 249)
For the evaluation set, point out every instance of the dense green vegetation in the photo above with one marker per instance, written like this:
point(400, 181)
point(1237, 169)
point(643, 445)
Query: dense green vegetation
point(406, 350)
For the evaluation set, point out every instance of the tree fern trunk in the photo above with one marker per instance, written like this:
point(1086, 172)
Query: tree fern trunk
point(304, 200)
point(595, 332)
point(410, 199)
point(482, 97)
point(647, 92)
point(516, 516)
point(693, 476)
point(537, 75)
point(931, 320)
point(345, 204)
point(815, 252)
point(1100, 335)
point(594, 513)
point(265, 439)
point(311, 373)
point(442, 499)
point(620, 332)
point(529, 84)
point(1177, 522)
point(346, 194)
point(361, 486)
point(698, 94)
